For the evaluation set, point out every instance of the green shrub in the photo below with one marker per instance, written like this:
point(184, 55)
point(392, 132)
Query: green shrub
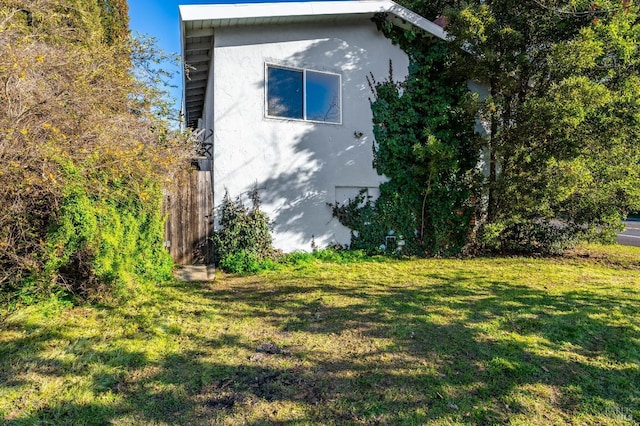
point(99, 244)
point(426, 146)
point(244, 262)
point(243, 239)
point(83, 158)
point(340, 256)
point(330, 255)
point(391, 224)
point(528, 237)
point(297, 258)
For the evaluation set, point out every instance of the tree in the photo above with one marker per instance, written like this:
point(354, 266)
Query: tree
point(115, 20)
point(562, 109)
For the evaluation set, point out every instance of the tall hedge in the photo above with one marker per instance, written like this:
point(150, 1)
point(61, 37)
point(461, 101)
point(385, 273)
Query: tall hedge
point(82, 156)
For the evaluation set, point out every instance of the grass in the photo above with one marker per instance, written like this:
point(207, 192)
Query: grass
point(437, 341)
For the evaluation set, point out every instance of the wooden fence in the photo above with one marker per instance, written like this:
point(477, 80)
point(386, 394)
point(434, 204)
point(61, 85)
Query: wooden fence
point(189, 223)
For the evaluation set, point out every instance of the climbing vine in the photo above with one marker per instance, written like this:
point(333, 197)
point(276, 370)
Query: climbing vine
point(425, 144)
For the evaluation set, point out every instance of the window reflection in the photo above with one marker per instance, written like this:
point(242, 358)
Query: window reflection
point(303, 94)
point(323, 97)
point(284, 98)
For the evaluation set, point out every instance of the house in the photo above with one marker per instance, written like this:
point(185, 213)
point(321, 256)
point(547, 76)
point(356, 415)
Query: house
point(278, 93)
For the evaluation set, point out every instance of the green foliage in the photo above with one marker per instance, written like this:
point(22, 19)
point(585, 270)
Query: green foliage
point(391, 215)
point(243, 239)
point(83, 154)
point(240, 262)
point(431, 9)
point(99, 244)
point(245, 262)
point(314, 259)
point(425, 145)
point(528, 237)
point(562, 105)
point(153, 69)
point(115, 20)
point(340, 256)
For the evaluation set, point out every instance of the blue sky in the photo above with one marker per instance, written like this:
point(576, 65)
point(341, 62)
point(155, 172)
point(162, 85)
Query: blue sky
point(160, 19)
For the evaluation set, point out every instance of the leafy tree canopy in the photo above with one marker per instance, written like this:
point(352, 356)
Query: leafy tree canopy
point(562, 106)
point(561, 118)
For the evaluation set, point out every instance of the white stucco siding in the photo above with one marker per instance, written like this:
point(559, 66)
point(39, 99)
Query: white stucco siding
point(209, 99)
point(297, 165)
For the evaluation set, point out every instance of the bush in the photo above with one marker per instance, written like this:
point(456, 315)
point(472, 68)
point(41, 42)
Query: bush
point(243, 239)
point(528, 237)
point(244, 262)
point(83, 153)
point(97, 244)
point(391, 224)
point(330, 255)
point(426, 146)
point(340, 256)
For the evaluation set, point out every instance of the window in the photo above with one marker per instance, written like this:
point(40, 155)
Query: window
point(303, 95)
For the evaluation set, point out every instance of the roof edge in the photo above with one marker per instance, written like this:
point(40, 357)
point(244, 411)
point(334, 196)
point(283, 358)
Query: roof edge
point(247, 11)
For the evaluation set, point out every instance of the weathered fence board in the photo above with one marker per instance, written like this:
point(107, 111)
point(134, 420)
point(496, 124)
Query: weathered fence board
point(190, 220)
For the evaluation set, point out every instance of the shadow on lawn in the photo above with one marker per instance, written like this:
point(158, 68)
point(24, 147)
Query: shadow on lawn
point(458, 368)
point(361, 353)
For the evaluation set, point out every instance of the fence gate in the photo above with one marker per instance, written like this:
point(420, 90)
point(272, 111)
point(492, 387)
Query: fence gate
point(189, 223)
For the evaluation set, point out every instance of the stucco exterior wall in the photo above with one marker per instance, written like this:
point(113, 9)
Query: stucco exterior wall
point(298, 166)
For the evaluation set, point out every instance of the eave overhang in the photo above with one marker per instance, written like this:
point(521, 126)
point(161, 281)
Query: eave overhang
point(199, 22)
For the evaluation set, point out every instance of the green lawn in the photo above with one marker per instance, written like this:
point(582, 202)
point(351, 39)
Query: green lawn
point(436, 341)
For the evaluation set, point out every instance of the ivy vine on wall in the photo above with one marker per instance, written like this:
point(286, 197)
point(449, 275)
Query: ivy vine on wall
point(426, 145)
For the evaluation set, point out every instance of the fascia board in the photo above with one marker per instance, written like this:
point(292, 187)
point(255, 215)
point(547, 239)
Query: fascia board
point(267, 10)
point(221, 12)
point(417, 20)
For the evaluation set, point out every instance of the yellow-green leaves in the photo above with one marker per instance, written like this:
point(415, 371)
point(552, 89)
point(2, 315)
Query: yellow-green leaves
point(78, 133)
